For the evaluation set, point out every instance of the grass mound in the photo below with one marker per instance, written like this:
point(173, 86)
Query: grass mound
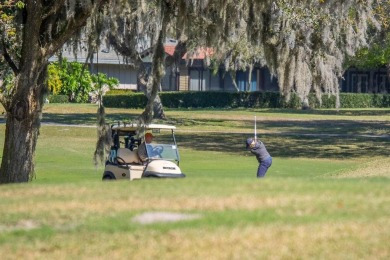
point(374, 168)
point(325, 196)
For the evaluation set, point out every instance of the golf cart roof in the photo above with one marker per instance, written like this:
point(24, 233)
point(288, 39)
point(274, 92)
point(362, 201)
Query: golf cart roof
point(135, 126)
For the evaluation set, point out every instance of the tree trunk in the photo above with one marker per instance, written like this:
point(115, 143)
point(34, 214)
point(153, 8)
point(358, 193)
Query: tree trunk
point(22, 128)
point(249, 87)
point(154, 80)
point(142, 82)
point(142, 75)
point(157, 70)
point(20, 142)
point(44, 31)
point(233, 77)
point(158, 109)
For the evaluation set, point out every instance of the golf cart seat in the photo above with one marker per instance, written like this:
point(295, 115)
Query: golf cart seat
point(128, 156)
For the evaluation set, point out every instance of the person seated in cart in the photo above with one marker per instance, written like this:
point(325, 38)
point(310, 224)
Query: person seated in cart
point(159, 160)
point(145, 150)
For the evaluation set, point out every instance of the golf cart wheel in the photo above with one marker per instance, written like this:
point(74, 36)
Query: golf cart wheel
point(108, 176)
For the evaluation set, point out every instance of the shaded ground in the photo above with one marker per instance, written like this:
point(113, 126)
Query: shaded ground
point(234, 124)
point(283, 145)
point(351, 134)
point(85, 118)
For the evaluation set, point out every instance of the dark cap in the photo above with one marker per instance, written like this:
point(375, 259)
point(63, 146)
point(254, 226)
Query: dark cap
point(248, 142)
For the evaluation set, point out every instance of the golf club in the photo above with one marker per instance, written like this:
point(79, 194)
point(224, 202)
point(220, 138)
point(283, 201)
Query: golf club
point(255, 130)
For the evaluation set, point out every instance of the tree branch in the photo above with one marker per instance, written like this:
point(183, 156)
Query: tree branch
point(8, 58)
point(78, 21)
point(52, 9)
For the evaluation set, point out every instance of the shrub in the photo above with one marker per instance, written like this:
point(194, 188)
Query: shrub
point(54, 79)
point(200, 99)
point(135, 100)
point(58, 99)
point(120, 92)
point(76, 82)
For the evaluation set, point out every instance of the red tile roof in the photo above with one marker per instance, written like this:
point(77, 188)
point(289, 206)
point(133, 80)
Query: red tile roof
point(170, 49)
point(200, 54)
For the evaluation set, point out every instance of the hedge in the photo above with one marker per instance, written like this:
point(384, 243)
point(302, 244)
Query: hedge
point(206, 99)
point(58, 99)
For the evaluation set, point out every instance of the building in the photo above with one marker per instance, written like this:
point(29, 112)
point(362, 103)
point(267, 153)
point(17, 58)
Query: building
point(366, 81)
point(194, 75)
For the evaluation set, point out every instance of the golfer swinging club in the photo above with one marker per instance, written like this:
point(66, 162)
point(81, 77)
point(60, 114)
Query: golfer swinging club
point(257, 147)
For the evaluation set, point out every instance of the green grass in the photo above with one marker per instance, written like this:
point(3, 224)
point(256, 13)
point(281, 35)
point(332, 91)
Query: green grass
point(323, 197)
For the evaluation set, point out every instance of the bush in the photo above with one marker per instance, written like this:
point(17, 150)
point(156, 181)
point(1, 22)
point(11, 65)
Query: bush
point(135, 100)
point(120, 92)
point(58, 99)
point(202, 99)
point(76, 82)
point(197, 99)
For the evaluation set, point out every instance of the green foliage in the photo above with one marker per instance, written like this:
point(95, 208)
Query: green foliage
point(245, 99)
point(9, 10)
point(19, 4)
point(54, 82)
point(353, 100)
point(135, 100)
point(120, 92)
point(102, 84)
point(101, 80)
point(196, 99)
point(8, 84)
point(58, 99)
point(377, 53)
point(74, 80)
point(375, 56)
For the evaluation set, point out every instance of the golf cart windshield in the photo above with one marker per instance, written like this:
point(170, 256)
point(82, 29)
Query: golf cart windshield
point(163, 145)
point(163, 151)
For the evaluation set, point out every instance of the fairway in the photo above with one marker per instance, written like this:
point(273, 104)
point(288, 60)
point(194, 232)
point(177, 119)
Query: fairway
point(326, 195)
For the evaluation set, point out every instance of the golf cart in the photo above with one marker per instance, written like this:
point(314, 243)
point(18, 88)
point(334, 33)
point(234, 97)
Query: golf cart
point(162, 158)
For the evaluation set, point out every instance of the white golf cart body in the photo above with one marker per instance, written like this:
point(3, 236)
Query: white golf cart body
point(124, 162)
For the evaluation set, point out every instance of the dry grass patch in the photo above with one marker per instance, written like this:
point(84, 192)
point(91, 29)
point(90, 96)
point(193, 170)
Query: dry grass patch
point(67, 209)
point(374, 168)
point(342, 240)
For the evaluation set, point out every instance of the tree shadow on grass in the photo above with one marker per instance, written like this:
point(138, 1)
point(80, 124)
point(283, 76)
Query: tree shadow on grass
point(290, 145)
point(284, 138)
point(289, 125)
point(328, 126)
point(343, 112)
point(86, 118)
